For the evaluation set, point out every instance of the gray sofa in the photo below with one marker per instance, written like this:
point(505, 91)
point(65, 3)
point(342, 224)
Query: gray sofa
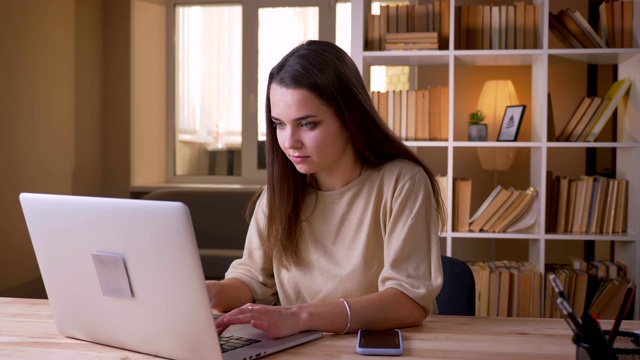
point(219, 223)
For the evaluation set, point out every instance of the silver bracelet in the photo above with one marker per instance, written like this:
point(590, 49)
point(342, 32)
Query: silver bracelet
point(346, 304)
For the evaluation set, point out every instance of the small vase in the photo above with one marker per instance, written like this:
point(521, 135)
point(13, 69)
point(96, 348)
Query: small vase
point(477, 132)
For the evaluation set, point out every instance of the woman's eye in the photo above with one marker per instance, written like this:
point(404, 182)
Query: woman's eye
point(307, 125)
point(278, 124)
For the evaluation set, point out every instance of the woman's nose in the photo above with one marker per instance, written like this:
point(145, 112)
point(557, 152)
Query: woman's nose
point(291, 139)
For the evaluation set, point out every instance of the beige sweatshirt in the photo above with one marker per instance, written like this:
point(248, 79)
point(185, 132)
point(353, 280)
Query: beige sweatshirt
point(378, 232)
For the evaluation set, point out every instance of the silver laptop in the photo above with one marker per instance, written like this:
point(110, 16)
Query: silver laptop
point(127, 273)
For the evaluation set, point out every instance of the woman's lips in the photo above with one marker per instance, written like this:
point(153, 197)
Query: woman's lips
point(298, 158)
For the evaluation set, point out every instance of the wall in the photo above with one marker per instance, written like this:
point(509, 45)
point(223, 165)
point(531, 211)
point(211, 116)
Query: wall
point(65, 128)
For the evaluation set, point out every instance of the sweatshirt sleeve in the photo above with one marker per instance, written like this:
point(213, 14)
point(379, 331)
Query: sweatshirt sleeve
point(255, 268)
point(412, 261)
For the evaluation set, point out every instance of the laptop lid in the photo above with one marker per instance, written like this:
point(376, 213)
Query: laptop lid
point(127, 273)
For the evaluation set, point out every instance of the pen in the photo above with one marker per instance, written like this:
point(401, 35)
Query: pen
point(594, 337)
point(622, 311)
point(557, 286)
point(569, 316)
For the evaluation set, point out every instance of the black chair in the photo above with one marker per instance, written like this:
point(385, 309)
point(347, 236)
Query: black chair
point(219, 223)
point(458, 294)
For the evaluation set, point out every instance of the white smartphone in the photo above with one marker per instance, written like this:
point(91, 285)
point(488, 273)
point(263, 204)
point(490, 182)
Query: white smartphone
point(379, 342)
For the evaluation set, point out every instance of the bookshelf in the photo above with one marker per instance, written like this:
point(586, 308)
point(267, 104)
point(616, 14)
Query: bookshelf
point(546, 70)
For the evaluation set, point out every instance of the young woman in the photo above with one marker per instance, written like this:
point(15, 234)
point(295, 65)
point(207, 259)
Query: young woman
point(345, 234)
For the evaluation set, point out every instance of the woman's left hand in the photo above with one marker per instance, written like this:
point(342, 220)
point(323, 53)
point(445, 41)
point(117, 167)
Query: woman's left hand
point(275, 321)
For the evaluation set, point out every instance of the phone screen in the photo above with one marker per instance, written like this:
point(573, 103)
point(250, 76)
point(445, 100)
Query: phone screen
point(380, 342)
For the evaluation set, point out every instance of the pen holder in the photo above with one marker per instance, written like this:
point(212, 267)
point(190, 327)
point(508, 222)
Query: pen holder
point(626, 347)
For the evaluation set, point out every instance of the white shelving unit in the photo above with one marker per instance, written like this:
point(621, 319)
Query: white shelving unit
point(543, 64)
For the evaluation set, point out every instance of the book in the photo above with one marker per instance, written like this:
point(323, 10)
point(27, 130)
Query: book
point(477, 277)
point(551, 213)
point(609, 206)
point(419, 135)
point(507, 212)
point(627, 23)
point(585, 118)
point(568, 19)
point(444, 114)
point(571, 203)
point(596, 213)
point(579, 199)
point(486, 203)
point(462, 203)
point(392, 19)
point(490, 209)
point(605, 21)
point(521, 217)
point(614, 94)
point(503, 27)
point(434, 113)
point(616, 10)
point(463, 28)
point(500, 211)
point(563, 197)
point(411, 46)
point(495, 27)
point(486, 27)
point(511, 27)
point(520, 23)
point(561, 32)
point(411, 115)
point(587, 129)
point(412, 36)
point(403, 18)
point(403, 114)
point(445, 11)
point(587, 203)
point(384, 24)
point(586, 28)
point(420, 18)
point(494, 290)
point(620, 213)
point(530, 26)
point(575, 118)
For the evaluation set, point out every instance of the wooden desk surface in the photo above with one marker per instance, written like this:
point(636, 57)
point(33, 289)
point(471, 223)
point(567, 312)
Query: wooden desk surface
point(27, 331)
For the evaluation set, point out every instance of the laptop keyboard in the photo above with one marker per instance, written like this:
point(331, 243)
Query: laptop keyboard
point(232, 342)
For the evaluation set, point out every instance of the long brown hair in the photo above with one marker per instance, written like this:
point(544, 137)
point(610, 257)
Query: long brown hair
point(329, 73)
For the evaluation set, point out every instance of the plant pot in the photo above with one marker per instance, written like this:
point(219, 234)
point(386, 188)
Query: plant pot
point(477, 132)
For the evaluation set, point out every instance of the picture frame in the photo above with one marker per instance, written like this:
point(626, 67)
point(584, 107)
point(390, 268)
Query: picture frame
point(511, 122)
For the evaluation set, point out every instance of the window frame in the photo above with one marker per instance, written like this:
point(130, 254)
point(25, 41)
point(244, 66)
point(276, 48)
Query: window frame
point(250, 174)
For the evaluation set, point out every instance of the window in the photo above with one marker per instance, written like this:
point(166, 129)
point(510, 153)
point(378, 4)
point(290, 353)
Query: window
point(219, 64)
point(208, 85)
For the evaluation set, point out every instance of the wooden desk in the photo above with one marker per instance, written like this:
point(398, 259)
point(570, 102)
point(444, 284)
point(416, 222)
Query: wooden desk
point(27, 331)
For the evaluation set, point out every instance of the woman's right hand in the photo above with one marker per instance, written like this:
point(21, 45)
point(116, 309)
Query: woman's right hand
point(228, 294)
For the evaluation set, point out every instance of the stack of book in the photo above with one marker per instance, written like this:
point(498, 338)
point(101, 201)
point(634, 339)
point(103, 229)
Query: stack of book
point(430, 18)
point(498, 26)
point(506, 210)
point(595, 286)
point(615, 25)
point(593, 113)
point(573, 30)
point(587, 205)
point(415, 115)
point(507, 288)
point(411, 41)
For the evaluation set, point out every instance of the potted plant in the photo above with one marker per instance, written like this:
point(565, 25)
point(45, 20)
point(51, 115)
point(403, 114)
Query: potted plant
point(477, 130)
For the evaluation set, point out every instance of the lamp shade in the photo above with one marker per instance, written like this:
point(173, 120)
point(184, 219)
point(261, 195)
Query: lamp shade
point(495, 96)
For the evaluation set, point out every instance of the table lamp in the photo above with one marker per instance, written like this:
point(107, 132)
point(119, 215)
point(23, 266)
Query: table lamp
point(495, 96)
